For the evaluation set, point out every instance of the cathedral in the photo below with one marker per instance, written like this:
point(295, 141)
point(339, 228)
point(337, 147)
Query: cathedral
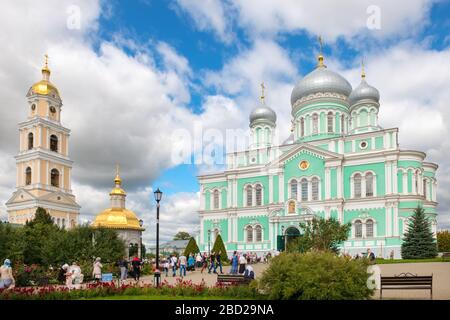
point(43, 165)
point(337, 163)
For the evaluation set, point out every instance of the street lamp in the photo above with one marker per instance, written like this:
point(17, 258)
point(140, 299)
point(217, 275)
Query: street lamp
point(141, 223)
point(209, 241)
point(158, 196)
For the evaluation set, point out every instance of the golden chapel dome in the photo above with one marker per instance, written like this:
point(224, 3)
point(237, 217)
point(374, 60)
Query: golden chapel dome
point(45, 87)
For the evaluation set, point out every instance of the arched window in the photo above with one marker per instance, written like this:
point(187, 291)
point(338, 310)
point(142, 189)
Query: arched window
point(342, 123)
point(315, 188)
point(304, 186)
point(302, 127)
point(258, 234)
point(54, 143)
point(30, 141)
point(28, 176)
point(258, 194)
point(369, 228)
point(63, 223)
point(72, 223)
point(293, 189)
point(216, 199)
point(249, 232)
point(358, 229)
point(249, 196)
point(369, 184)
point(315, 123)
point(425, 188)
point(416, 180)
point(54, 178)
point(357, 185)
point(330, 122)
point(58, 222)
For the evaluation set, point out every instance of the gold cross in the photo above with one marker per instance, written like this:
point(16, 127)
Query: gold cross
point(363, 72)
point(46, 60)
point(117, 169)
point(320, 44)
point(262, 91)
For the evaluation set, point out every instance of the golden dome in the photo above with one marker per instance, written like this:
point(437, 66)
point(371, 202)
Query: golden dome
point(117, 191)
point(117, 218)
point(44, 86)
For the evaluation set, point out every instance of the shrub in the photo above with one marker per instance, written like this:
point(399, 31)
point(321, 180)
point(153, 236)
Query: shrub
point(315, 276)
point(191, 247)
point(220, 246)
point(443, 241)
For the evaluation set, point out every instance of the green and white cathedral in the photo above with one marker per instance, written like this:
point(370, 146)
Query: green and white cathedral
point(338, 163)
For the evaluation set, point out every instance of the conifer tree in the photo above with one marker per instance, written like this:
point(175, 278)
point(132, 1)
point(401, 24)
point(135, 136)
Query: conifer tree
point(191, 247)
point(220, 246)
point(419, 242)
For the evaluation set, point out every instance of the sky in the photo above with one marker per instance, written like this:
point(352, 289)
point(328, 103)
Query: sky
point(150, 84)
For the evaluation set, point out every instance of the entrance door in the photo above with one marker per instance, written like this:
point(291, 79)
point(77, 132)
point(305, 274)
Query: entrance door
point(291, 234)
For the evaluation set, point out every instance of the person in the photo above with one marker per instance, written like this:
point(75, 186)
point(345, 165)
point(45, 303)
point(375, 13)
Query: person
point(136, 265)
point(191, 262)
point(173, 264)
point(166, 266)
point(370, 255)
point(242, 262)
point(212, 264)
point(62, 273)
point(6, 275)
point(199, 259)
point(249, 273)
point(391, 255)
point(123, 266)
point(219, 262)
point(234, 263)
point(204, 262)
point(75, 277)
point(182, 263)
point(97, 270)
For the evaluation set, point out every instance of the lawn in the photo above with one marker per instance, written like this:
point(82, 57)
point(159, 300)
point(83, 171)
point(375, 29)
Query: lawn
point(389, 261)
point(162, 297)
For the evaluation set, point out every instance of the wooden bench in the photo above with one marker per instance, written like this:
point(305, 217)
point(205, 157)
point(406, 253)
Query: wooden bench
point(232, 279)
point(407, 281)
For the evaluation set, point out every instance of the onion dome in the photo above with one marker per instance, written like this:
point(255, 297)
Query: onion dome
point(44, 87)
point(320, 80)
point(263, 112)
point(364, 92)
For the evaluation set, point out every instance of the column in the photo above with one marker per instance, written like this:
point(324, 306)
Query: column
point(281, 187)
point(363, 186)
point(339, 181)
point(395, 207)
point(229, 221)
point(413, 180)
point(394, 177)
point(340, 214)
point(62, 178)
point(270, 188)
point(388, 220)
point(327, 183)
point(235, 193)
point(235, 229)
point(405, 182)
point(39, 144)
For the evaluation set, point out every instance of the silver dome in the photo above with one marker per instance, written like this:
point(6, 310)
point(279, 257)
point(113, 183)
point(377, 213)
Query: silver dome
point(364, 91)
point(320, 80)
point(263, 112)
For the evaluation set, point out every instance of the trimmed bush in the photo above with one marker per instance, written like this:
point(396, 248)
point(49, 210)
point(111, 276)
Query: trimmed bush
point(220, 246)
point(191, 247)
point(315, 276)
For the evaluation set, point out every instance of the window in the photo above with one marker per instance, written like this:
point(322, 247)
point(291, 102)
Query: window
point(30, 141)
point(54, 178)
point(216, 199)
point(425, 188)
point(330, 122)
point(249, 193)
point(63, 223)
point(357, 185)
point(302, 127)
point(53, 143)
point(249, 231)
point(28, 176)
point(315, 188)
point(369, 184)
point(315, 120)
point(342, 123)
point(258, 195)
point(369, 228)
point(291, 207)
point(294, 189)
point(304, 186)
point(258, 233)
point(358, 229)
point(416, 181)
point(58, 222)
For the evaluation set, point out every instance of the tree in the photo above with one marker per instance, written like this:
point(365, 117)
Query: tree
point(220, 246)
point(191, 247)
point(419, 242)
point(182, 235)
point(41, 216)
point(443, 241)
point(322, 235)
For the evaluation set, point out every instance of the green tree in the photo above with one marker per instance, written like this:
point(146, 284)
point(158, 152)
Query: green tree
point(182, 235)
point(443, 241)
point(219, 246)
point(41, 216)
point(191, 247)
point(419, 242)
point(322, 235)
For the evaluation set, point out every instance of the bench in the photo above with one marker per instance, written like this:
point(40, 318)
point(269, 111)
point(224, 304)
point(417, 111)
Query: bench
point(407, 281)
point(232, 279)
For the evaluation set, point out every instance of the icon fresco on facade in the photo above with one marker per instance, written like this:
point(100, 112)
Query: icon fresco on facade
point(303, 165)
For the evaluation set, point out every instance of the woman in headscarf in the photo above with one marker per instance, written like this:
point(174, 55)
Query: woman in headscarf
point(97, 270)
point(6, 275)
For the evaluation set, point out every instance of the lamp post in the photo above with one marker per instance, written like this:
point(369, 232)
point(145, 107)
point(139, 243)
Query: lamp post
point(141, 223)
point(209, 242)
point(158, 196)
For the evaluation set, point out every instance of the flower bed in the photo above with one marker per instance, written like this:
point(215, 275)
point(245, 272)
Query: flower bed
point(180, 288)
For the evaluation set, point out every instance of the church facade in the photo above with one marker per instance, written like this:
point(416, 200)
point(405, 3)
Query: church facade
point(43, 165)
point(338, 163)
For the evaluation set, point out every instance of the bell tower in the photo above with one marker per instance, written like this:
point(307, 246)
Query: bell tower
point(43, 164)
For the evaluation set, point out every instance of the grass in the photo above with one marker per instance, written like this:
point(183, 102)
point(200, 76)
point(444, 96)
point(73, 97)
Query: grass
point(389, 261)
point(162, 297)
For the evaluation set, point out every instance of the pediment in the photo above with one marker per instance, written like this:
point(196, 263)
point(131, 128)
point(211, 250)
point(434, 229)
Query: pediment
point(21, 195)
point(58, 197)
point(305, 149)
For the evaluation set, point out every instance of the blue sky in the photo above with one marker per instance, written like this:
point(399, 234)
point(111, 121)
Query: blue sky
point(132, 74)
